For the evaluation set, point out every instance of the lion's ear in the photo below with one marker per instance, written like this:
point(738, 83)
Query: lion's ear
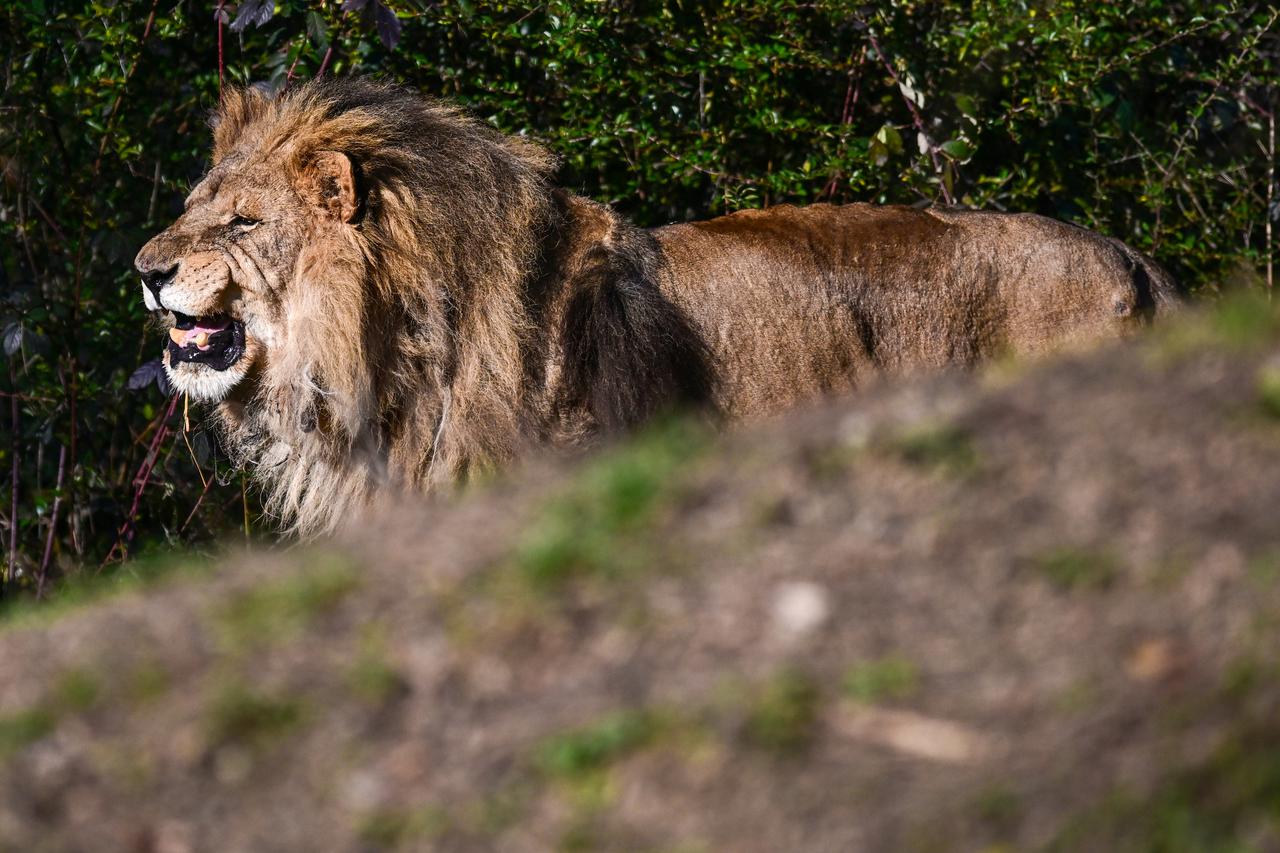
point(328, 180)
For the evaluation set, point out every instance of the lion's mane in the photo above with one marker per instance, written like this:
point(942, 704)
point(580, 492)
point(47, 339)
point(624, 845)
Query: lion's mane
point(473, 309)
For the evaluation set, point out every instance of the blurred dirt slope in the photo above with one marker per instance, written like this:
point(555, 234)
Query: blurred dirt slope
point(1037, 607)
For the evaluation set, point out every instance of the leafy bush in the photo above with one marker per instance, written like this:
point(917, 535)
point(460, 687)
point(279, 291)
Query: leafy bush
point(1153, 121)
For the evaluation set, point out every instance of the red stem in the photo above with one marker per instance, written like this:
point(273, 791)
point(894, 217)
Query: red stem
point(288, 77)
point(324, 63)
point(916, 117)
point(851, 94)
point(125, 535)
point(218, 16)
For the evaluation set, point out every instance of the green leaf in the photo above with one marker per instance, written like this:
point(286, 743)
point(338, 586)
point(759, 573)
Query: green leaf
point(317, 31)
point(958, 149)
point(890, 138)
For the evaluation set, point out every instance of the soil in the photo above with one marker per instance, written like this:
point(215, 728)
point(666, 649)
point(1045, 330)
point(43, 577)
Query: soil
point(1034, 607)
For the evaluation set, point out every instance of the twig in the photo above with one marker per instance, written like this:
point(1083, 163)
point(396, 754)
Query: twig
point(30, 398)
point(702, 101)
point(851, 94)
point(53, 524)
point(217, 15)
point(915, 117)
point(196, 508)
point(1131, 59)
point(48, 220)
point(324, 63)
point(186, 438)
point(1270, 197)
point(244, 502)
point(119, 99)
point(1227, 67)
point(155, 193)
point(26, 239)
point(657, 143)
point(14, 422)
point(288, 77)
point(328, 51)
point(124, 535)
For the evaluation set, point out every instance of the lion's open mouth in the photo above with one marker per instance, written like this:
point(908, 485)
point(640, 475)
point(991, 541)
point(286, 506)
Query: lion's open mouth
point(216, 341)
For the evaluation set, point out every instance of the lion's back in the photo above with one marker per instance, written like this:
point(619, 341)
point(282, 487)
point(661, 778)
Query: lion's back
point(797, 300)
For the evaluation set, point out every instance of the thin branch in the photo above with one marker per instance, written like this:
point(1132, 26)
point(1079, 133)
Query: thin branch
point(851, 94)
point(1227, 67)
point(918, 119)
point(155, 193)
point(124, 536)
point(43, 573)
point(196, 508)
point(26, 238)
point(11, 575)
point(288, 77)
point(1269, 200)
point(217, 16)
point(30, 398)
point(657, 143)
point(1131, 60)
point(324, 63)
point(244, 502)
point(119, 99)
point(48, 220)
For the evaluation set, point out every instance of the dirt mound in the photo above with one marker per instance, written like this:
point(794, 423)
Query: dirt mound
point(1032, 608)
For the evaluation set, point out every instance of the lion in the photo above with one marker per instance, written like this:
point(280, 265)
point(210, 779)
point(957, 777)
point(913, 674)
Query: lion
point(376, 291)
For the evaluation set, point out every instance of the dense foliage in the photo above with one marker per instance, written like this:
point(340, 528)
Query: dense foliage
point(1152, 121)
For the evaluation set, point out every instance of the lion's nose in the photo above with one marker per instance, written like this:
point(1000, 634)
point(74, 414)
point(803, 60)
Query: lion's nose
point(156, 279)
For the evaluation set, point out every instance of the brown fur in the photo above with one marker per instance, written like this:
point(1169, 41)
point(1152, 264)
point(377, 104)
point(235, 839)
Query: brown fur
point(420, 302)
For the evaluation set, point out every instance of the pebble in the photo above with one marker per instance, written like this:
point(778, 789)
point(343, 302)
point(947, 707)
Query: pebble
point(800, 608)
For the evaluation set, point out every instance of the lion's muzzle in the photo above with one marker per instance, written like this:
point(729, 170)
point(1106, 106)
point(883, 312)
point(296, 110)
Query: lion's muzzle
point(153, 281)
point(217, 342)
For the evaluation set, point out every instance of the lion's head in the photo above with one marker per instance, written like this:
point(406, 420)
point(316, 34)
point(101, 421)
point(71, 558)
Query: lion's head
point(225, 272)
point(347, 236)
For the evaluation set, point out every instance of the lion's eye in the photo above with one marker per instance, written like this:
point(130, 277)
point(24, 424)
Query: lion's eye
point(244, 222)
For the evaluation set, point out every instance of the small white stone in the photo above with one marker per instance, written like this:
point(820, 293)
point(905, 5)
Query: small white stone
point(799, 608)
point(363, 791)
point(855, 431)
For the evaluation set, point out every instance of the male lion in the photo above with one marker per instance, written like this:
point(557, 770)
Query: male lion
point(377, 290)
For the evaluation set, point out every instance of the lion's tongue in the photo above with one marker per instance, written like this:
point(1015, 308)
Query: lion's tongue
point(198, 334)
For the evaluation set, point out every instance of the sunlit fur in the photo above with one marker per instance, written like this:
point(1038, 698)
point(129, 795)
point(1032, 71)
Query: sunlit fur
point(400, 349)
point(461, 307)
point(417, 309)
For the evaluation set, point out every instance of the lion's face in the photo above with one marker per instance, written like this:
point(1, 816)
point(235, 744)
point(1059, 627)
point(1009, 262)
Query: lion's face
point(225, 269)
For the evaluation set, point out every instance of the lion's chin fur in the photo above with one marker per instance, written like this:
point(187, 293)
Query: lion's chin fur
point(203, 384)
